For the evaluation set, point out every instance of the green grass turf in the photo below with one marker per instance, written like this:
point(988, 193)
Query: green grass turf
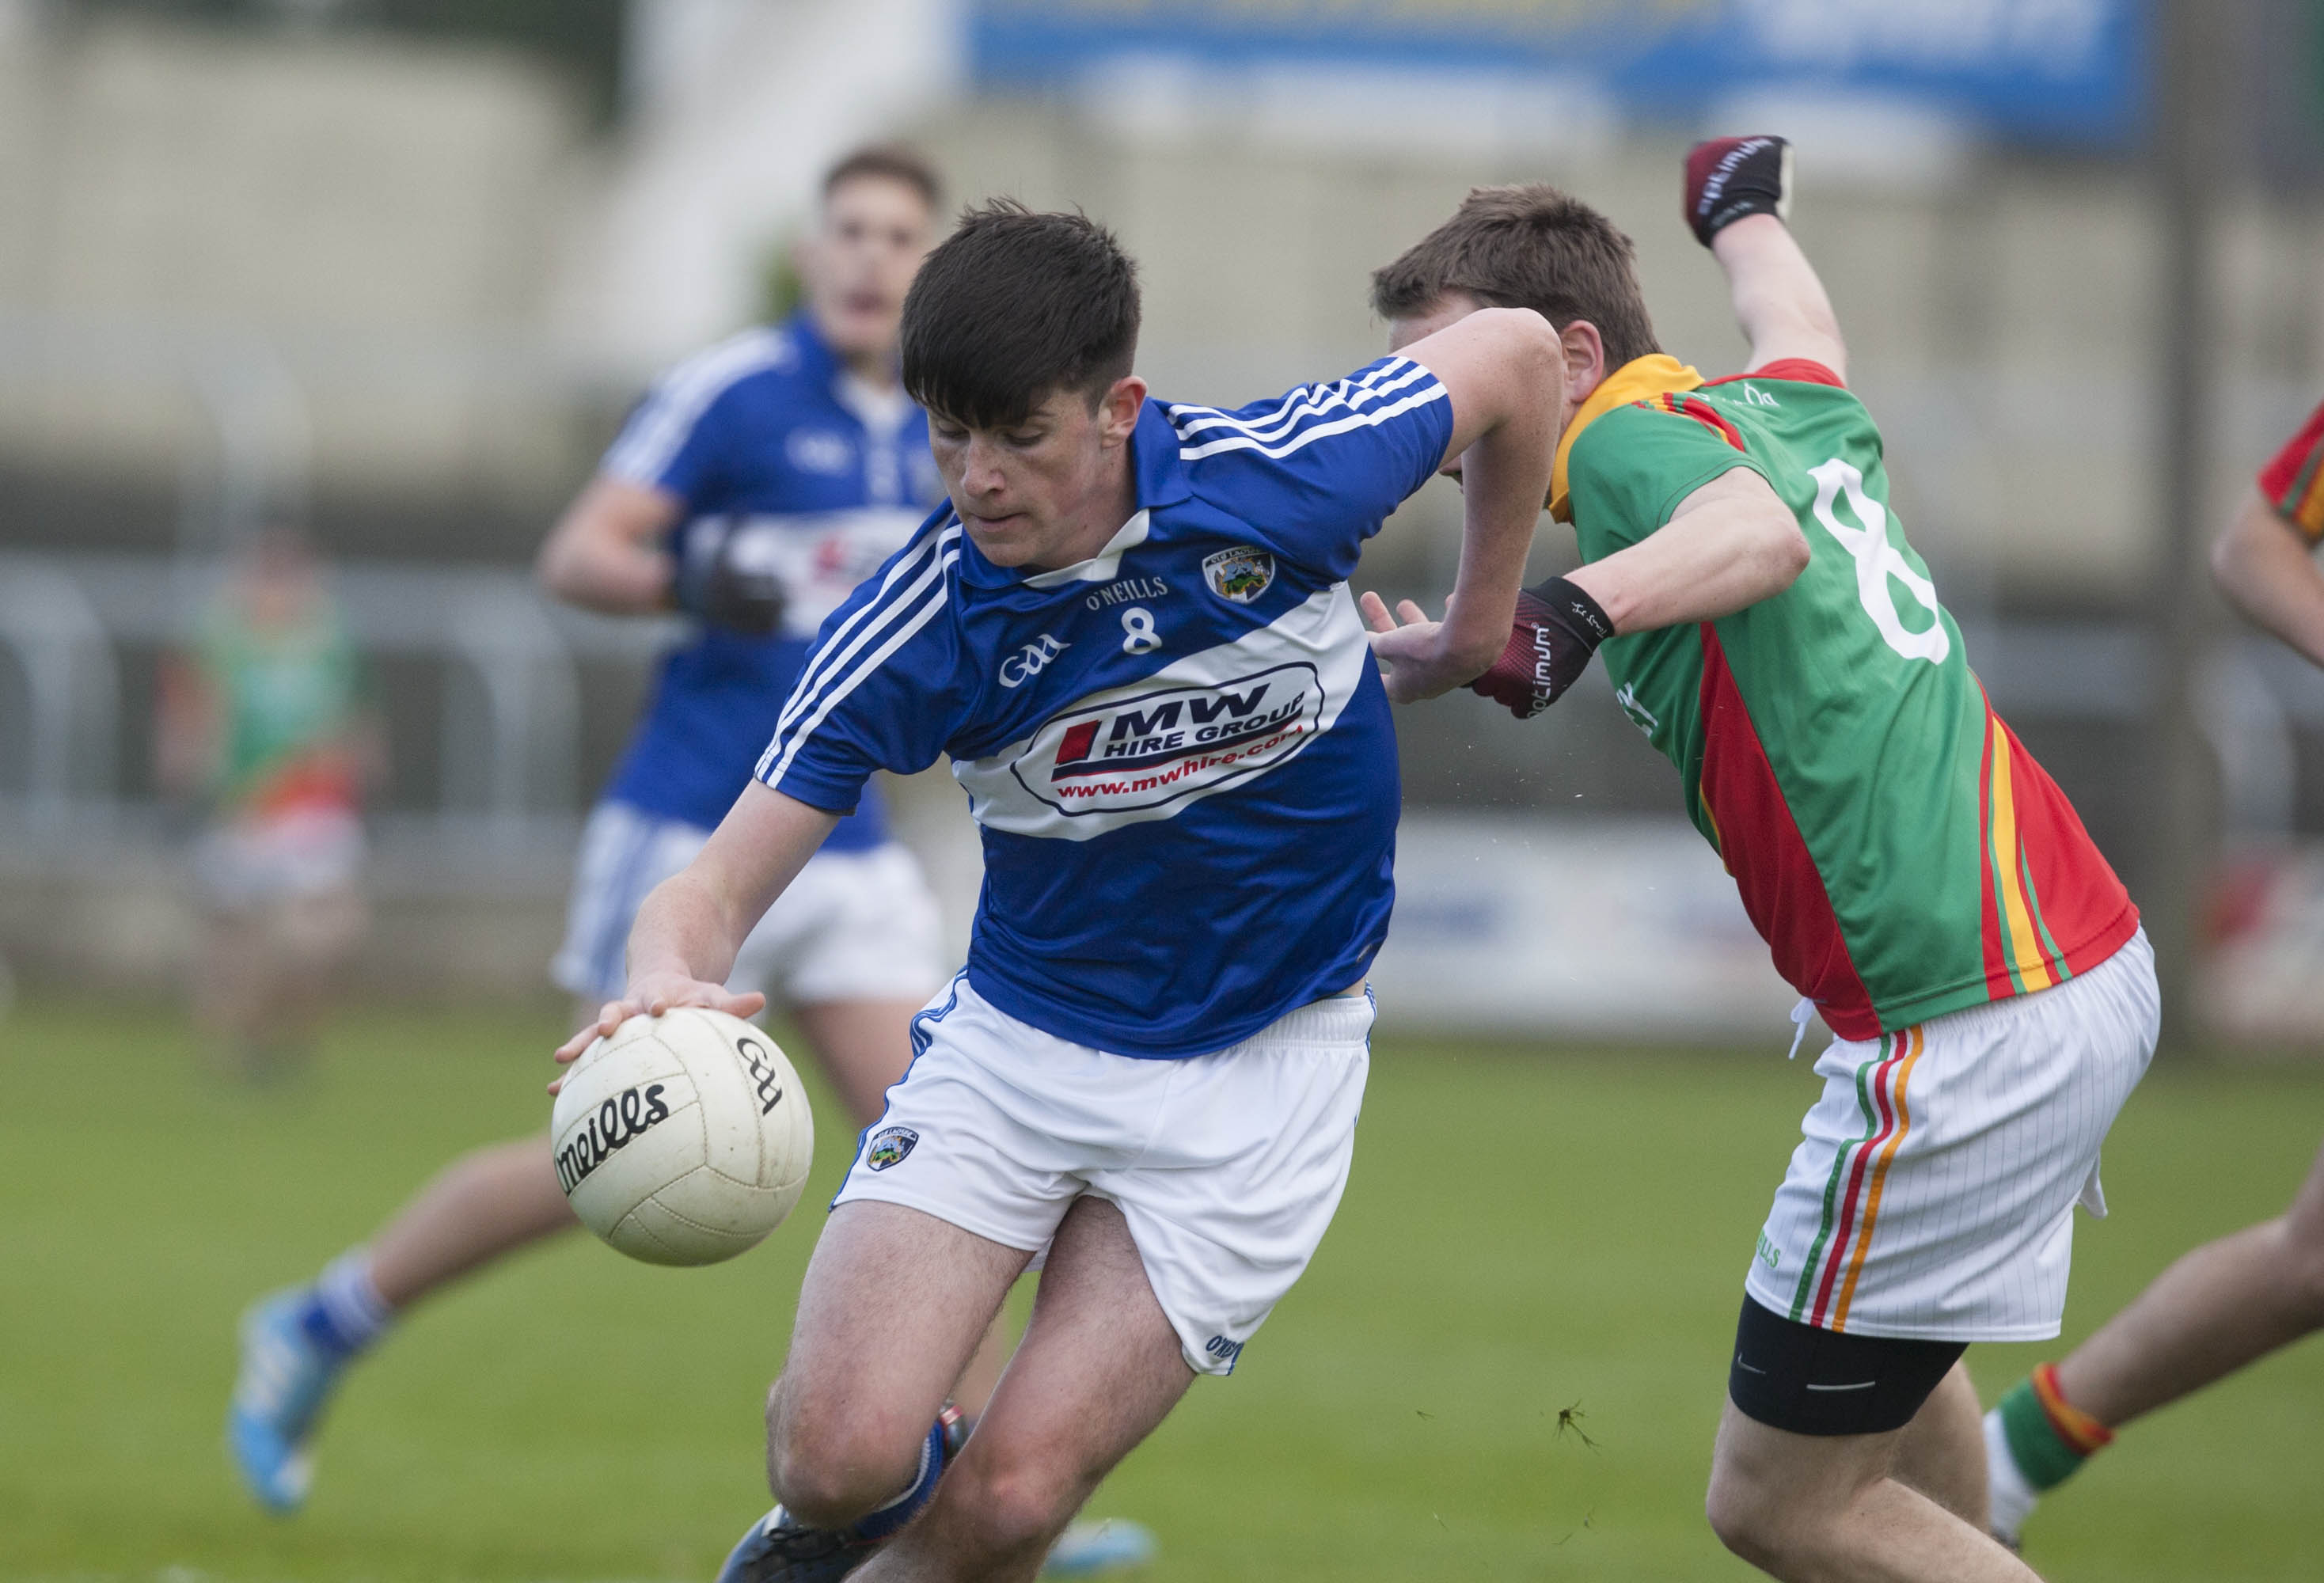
point(1523, 1235)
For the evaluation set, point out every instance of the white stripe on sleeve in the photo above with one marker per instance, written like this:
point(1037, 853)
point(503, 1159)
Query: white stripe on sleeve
point(833, 655)
point(1305, 402)
point(771, 768)
point(659, 428)
point(1313, 432)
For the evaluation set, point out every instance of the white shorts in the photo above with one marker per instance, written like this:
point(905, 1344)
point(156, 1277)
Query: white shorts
point(854, 926)
point(252, 863)
point(1227, 1166)
point(1933, 1196)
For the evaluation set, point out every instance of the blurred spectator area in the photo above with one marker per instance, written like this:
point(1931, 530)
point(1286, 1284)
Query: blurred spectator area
point(396, 269)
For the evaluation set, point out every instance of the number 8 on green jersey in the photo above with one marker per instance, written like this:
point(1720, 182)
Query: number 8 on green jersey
point(1901, 851)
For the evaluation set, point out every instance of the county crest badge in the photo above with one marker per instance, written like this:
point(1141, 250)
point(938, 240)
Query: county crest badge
point(888, 1147)
point(1240, 575)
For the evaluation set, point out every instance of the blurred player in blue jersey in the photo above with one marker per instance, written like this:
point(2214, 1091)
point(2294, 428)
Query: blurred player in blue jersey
point(752, 488)
point(1133, 635)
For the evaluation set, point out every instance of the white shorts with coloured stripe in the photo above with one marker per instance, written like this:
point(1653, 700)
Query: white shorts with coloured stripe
point(1932, 1195)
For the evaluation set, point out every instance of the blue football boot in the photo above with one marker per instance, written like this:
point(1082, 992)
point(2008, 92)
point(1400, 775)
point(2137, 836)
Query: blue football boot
point(779, 1549)
point(286, 1375)
point(1092, 1549)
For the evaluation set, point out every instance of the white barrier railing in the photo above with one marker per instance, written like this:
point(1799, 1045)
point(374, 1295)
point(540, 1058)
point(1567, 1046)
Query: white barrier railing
point(510, 772)
point(63, 617)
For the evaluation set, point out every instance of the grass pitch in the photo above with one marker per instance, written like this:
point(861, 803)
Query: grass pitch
point(1527, 1233)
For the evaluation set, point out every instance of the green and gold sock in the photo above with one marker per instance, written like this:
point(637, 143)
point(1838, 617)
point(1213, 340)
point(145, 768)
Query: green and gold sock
point(2048, 1436)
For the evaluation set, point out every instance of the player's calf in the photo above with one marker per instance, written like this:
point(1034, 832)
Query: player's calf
point(2302, 1268)
point(2214, 1310)
point(999, 1509)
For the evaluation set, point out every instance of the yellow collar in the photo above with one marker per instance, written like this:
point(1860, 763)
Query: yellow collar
point(1656, 375)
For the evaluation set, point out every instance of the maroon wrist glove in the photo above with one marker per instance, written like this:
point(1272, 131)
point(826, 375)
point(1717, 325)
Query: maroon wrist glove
point(1558, 628)
point(1729, 178)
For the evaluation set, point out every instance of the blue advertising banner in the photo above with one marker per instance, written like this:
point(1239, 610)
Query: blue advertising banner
point(2070, 71)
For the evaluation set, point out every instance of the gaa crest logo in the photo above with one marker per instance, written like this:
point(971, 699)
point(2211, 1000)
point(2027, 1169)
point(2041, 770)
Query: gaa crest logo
point(764, 1078)
point(889, 1147)
point(1240, 575)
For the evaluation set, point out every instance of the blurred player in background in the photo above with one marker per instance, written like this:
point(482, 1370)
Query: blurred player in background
point(1133, 635)
point(2234, 1300)
point(752, 490)
point(262, 721)
point(1917, 877)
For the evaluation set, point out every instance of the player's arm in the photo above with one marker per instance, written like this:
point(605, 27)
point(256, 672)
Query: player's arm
point(188, 728)
point(2268, 572)
point(1779, 302)
point(690, 926)
point(1738, 191)
point(1730, 545)
point(610, 553)
point(1504, 370)
point(607, 553)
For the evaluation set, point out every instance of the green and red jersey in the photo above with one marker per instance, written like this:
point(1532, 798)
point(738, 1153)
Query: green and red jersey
point(289, 695)
point(2293, 482)
point(1899, 850)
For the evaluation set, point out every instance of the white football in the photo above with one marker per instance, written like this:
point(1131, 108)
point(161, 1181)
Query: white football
point(684, 1139)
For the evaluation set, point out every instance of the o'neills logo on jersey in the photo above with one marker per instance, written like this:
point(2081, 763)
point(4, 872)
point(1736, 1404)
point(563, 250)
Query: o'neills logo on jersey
point(1172, 742)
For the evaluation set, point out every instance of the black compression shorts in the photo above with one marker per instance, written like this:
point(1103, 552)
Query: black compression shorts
point(1794, 1376)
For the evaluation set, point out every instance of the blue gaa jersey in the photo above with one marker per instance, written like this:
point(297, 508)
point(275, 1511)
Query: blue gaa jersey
point(824, 479)
point(1179, 752)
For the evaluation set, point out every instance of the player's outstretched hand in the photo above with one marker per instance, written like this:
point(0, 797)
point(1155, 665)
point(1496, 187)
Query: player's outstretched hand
point(1729, 178)
point(650, 997)
point(1413, 655)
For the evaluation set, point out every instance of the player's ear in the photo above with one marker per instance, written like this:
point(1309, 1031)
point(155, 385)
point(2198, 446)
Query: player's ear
point(1585, 359)
point(1117, 410)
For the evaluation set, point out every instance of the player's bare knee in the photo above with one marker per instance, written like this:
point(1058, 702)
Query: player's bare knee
point(823, 1490)
point(1738, 1512)
point(1755, 1517)
point(830, 1466)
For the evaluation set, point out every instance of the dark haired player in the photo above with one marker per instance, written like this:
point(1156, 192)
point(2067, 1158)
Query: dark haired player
point(2232, 1302)
point(1133, 633)
point(1916, 876)
point(751, 489)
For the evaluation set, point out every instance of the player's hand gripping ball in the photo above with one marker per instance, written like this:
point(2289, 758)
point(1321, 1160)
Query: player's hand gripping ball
point(682, 1138)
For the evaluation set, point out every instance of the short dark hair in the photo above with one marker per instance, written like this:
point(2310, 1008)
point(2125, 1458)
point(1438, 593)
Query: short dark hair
point(891, 162)
point(1528, 247)
point(1013, 306)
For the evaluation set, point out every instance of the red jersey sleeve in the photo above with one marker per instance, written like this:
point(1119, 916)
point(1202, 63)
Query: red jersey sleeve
point(2293, 482)
point(1805, 369)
